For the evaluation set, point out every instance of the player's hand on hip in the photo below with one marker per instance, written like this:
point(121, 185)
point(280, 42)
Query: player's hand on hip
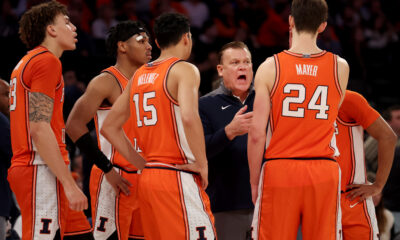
point(240, 123)
point(118, 182)
point(363, 191)
point(77, 200)
point(196, 167)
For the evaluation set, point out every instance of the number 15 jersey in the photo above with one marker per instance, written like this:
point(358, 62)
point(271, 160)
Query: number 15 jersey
point(304, 105)
point(156, 115)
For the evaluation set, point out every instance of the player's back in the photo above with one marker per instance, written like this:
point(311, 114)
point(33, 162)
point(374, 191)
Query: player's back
point(38, 71)
point(156, 115)
point(101, 114)
point(354, 116)
point(305, 100)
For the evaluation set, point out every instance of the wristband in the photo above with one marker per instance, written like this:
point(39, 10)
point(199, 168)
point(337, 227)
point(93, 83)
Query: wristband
point(87, 146)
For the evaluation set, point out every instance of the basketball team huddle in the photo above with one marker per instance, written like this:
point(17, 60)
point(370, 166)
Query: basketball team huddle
point(150, 173)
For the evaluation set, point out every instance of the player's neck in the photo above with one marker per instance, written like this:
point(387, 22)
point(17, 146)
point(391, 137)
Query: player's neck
point(304, 43)
point(53, 47)
point(126, 68)
point(174, 51)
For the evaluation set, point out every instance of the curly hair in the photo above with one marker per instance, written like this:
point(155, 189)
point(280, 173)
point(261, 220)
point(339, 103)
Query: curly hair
point(122, 32)
point(169, 28)
point(32, 26)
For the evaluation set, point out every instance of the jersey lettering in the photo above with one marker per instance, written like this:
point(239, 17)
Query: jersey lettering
point(103, 221)
point(201, 231)
point(46, 224)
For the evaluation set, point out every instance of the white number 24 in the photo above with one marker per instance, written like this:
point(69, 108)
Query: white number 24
point(321, 92)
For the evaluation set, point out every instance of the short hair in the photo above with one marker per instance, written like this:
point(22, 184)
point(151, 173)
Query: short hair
point(309, 14)
point(387, 114)
point(233, 45)
point(34, 22)
point(122, 32)
point(169, 28)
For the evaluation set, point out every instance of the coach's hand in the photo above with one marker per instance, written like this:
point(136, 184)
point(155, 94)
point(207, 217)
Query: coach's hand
point(198, 168)
point(77, 200)
point(118, 182)
point(240, 124)
point(363, 191)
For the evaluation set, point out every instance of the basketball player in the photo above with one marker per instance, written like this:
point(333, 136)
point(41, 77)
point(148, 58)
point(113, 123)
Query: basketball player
point(162, 100)
point(39, 175)
point(115, 215)
point(358, 211)
point(300, 91)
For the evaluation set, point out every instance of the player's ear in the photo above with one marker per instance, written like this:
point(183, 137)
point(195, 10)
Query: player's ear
point(121, 46)
point(291, 22)
point(50, 29)
point(322, 27)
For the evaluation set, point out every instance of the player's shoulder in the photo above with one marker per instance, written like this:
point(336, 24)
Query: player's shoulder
point(342, 63)
point(104, 82)
point(354, 98)
point(47, 59)
point(183, 69)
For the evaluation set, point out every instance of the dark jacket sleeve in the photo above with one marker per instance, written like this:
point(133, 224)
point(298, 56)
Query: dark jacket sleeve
point(216, 139)
point(5, 141)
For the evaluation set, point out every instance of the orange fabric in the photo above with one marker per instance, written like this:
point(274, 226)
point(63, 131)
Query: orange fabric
point(273, 30)
point(116, 157)
point(298, 129)
point(76, 223)
point(354, 112)
point(38, 71)
point(295, 192)
point(25, 194)
point(163, 210)
point(128, 218)
point(157, 125)
point(356, 221)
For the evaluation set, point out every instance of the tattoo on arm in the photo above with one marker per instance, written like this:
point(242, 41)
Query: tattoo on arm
point(40, 107)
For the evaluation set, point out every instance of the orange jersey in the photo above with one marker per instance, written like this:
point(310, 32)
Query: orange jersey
point(156, 115)
point(108, 150)
point(38, 71)
point(355, 115)
point(305, 100)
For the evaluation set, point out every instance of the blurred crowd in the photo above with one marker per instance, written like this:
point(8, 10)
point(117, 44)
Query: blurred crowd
point(365, 32)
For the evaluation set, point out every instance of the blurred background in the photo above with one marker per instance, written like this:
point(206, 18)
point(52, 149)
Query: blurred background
point(364, 32)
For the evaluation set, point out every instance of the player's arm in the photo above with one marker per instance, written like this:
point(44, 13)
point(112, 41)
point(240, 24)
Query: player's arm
point(387, 139)
point(343, 75)
point(257, 132)
point(40, 112)
point(187, 77)
point(113, 130)
point(100, 88)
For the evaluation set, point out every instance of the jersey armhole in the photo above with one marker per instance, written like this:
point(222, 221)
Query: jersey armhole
point(165, 84)
point(336, 75)
point(277, 75)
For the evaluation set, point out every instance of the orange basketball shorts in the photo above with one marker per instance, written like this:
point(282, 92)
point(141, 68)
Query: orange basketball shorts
point(298, 191)
point(43, 204)
point(358, 219)
point(173, 205)
point(116, 216)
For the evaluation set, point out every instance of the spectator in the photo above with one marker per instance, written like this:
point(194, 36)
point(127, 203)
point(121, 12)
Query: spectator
point(5, 158)
point(226, 116)
point(198, 12)
point(104, 21)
